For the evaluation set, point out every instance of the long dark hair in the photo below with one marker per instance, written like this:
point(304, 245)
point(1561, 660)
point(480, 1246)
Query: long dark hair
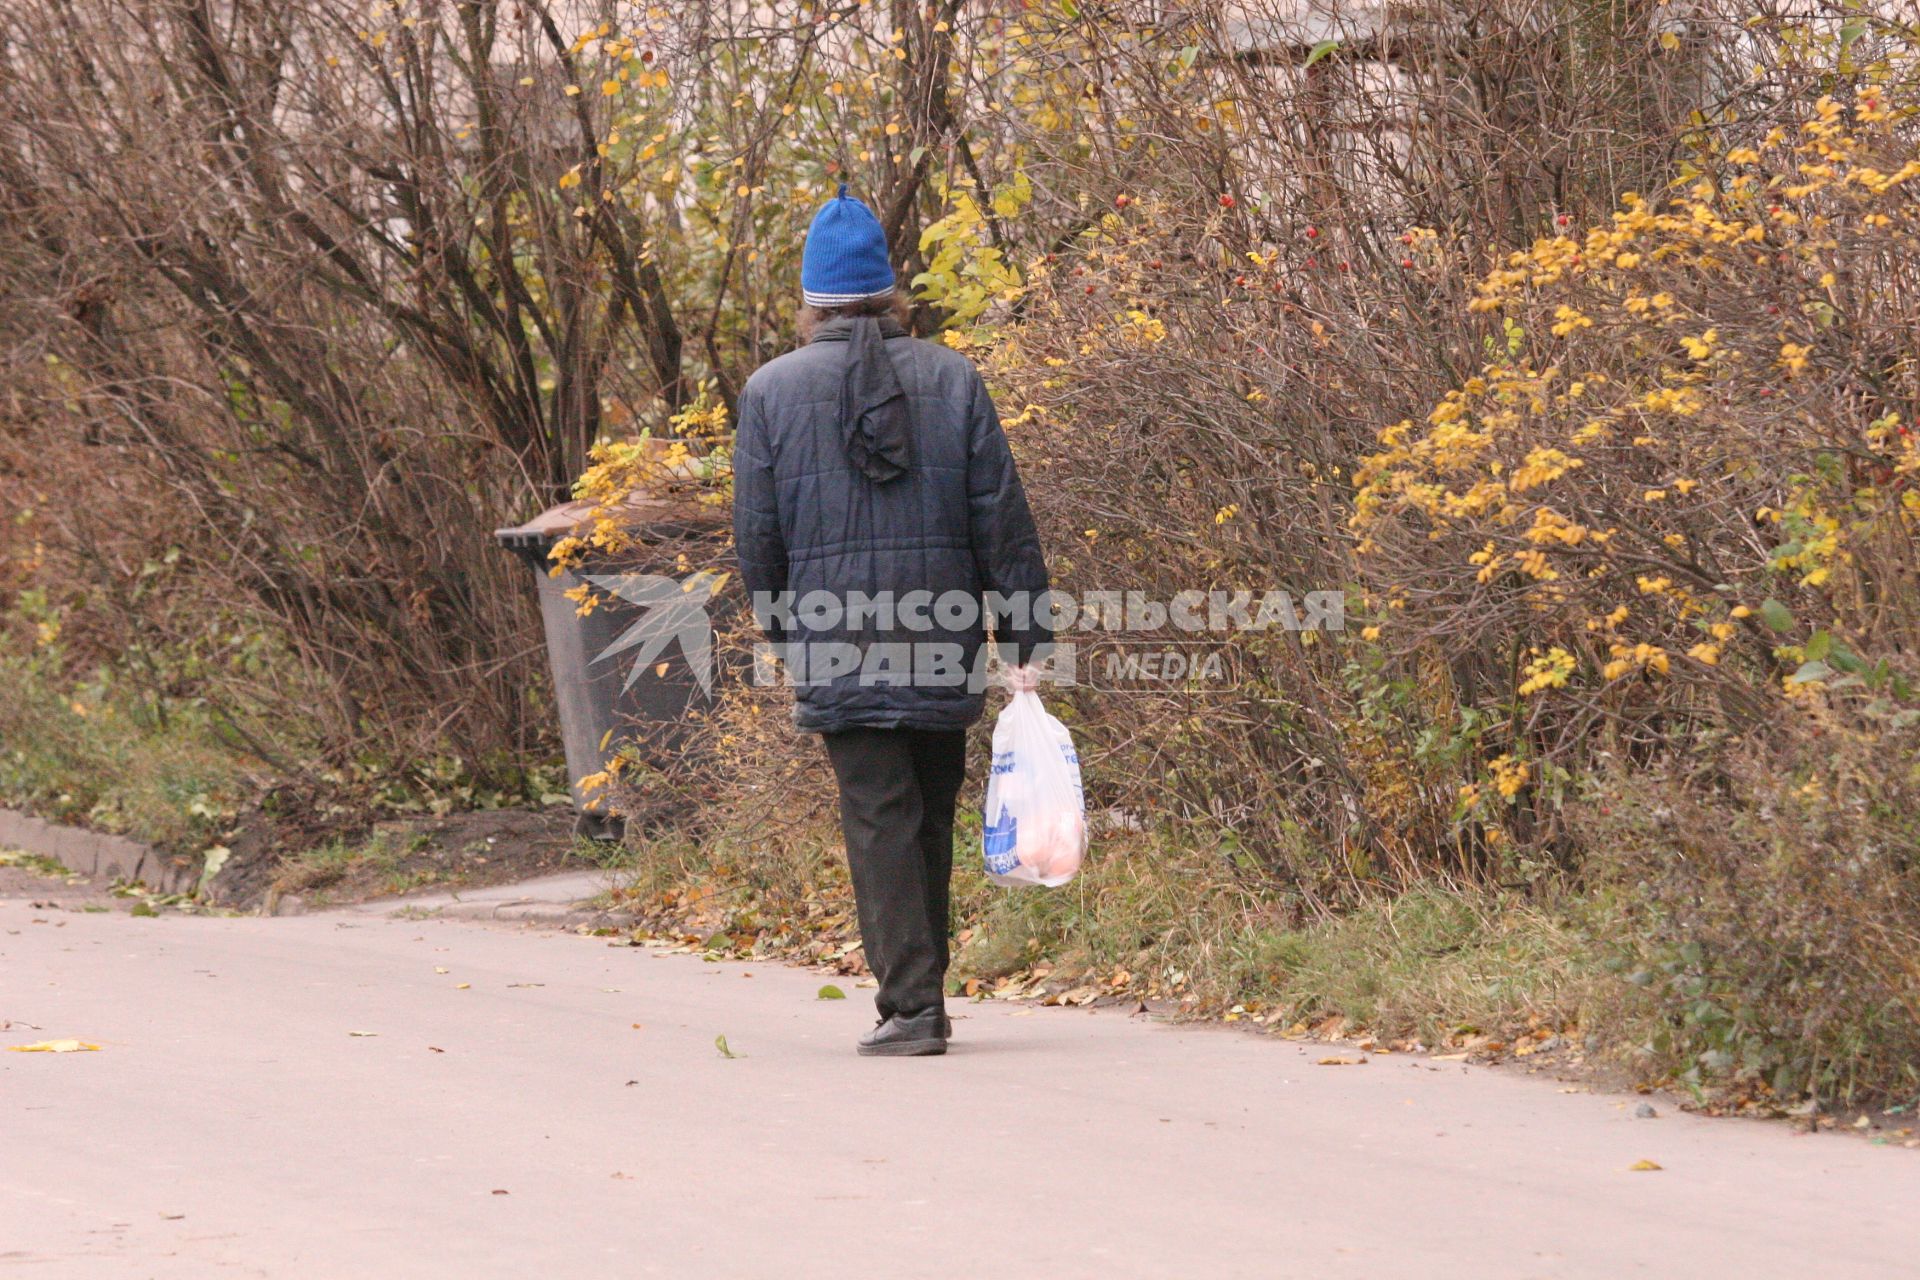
point(887, 304)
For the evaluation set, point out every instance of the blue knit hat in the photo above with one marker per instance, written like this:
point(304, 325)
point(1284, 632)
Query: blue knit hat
point(845, 257)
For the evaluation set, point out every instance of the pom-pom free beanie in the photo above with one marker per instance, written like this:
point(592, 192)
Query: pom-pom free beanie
point(845, 257)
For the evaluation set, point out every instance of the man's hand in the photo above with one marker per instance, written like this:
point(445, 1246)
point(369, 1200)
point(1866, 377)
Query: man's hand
point(1021, 679)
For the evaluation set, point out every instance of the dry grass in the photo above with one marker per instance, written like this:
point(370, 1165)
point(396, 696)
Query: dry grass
point(1147, 921)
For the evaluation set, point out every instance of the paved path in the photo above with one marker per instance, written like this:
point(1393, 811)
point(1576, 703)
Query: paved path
point(234, 1124)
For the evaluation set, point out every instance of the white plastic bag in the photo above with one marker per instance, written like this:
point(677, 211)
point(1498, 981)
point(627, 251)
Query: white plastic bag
point(1034, 830)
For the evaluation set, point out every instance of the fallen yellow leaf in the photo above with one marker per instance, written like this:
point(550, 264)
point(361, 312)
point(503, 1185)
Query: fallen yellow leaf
point(1342, 1062)
point(55, 1046)
point(1643, 1166)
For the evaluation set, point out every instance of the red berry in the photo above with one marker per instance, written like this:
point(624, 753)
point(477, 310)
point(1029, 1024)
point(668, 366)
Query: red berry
point(1089, 288)
point(1407, 238)
point(1155, 264)
point(1312, 232)
point(1346, 266)
point(1122, 201)
point(1563, 220)
point(1226, 202)
point(1407, 262)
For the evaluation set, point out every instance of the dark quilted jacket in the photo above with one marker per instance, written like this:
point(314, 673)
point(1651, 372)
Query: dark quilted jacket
point(805, 519)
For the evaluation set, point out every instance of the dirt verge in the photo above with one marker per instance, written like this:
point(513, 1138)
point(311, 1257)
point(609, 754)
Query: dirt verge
point(395, 856)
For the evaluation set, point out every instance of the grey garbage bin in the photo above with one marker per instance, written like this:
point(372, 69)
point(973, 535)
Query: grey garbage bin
point(605, 699)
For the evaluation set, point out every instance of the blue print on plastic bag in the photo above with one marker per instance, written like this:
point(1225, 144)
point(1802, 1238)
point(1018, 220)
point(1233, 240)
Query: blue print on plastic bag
point(998, 841)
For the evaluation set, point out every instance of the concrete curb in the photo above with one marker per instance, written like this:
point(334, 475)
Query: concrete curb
point(550, 915)
point(97, 854)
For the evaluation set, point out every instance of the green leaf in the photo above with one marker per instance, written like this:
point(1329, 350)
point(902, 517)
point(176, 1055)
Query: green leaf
point(1810, 673)
point(1320, 51)
point(1818, 645)
point(830, 992)
point(1776, 616)
point(1069, 8)
point(720, 1043)
point(1187, 55)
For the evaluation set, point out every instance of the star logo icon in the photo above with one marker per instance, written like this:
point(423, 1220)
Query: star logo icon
point(673, 611)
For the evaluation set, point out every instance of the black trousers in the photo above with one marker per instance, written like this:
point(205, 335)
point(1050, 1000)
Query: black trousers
point(897, 792)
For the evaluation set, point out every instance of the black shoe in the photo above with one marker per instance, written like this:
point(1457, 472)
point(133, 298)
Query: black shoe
point(919, 1035)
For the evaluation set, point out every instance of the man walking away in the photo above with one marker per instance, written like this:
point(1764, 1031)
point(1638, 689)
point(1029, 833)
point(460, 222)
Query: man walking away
point(871, 462)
